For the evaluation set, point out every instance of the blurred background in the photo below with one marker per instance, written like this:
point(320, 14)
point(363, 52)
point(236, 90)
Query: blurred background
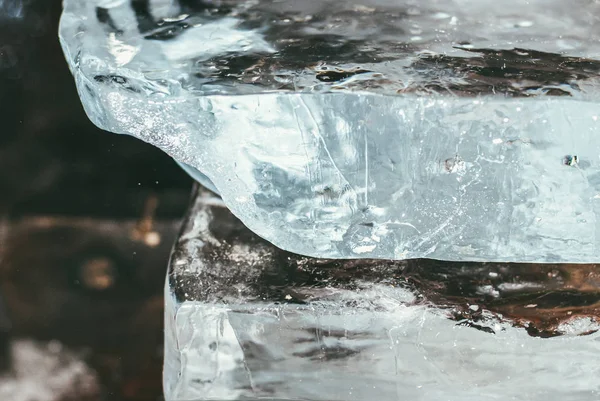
point(87, 220)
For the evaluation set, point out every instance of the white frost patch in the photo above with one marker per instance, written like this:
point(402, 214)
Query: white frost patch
point(518, 286)
point(242, 253)
point(579, 326)
point(488, 290)
point(364, 248)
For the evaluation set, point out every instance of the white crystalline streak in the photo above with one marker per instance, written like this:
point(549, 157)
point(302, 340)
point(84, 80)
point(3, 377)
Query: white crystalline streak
point(364, 175)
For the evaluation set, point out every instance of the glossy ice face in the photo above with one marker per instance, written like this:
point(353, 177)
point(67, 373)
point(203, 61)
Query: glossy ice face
point(467, 47)
point(246, 320)
point(464, 130)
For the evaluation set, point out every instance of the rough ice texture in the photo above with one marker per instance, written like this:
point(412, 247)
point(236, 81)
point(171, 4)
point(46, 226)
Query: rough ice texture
point(246, 320)
point(457, 130)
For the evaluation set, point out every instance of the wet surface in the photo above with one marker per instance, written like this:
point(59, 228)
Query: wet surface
point(248, 320)
point(232, 263)
point(396, 47)
point(487, 129)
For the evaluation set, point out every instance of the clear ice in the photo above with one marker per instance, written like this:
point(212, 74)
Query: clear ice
point(461, 130)
point(248, 321)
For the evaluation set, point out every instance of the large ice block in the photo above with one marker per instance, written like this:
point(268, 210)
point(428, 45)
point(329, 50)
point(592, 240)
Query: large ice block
point(246, 320)
point(456, 130)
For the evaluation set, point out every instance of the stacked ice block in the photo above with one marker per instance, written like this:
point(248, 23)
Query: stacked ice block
point(460, 130)
point(246, 320)
point(365, 135)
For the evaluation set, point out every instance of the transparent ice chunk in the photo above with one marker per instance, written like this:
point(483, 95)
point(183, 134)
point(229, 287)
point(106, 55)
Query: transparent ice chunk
point(458, 130)
point(246, 320)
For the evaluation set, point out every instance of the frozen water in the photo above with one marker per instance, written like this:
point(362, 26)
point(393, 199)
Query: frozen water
point(246, 320)
point(456, 130)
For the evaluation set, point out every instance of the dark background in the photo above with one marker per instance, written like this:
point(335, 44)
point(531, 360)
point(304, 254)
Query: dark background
point(87, 219)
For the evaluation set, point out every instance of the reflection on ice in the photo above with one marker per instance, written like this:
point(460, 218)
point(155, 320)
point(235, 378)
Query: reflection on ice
point(246, 320)
point(385, 129)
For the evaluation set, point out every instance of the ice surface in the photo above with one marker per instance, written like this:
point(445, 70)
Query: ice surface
point(246, 320)
point(456, 130)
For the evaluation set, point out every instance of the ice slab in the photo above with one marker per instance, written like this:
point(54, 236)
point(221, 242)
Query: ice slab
point(246, 320)
point(456, 130)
